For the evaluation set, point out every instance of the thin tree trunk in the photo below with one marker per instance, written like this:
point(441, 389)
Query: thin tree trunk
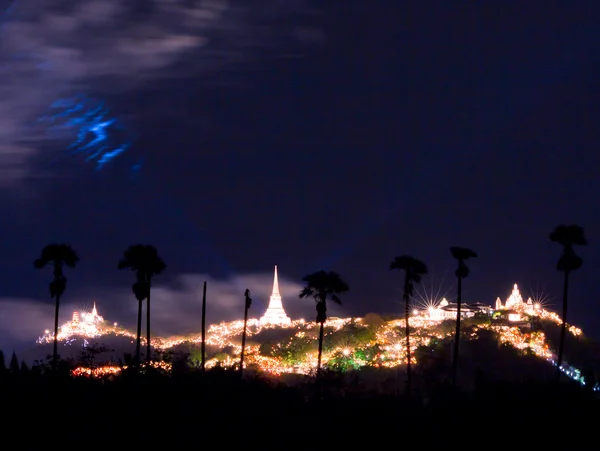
point(563, 327)
point(243, 341)
point(320, 353)
point(148, 350)
point(457, 333)
point(408, 362)
point(139, 334)
point(55, 349)
point(203, 345)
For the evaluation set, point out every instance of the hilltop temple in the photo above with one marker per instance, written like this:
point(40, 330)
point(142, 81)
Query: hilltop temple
point(516, 306)
point(83, 323)
point(275, 315)
point(86, 324)
point(514, 301)
point(448, 310)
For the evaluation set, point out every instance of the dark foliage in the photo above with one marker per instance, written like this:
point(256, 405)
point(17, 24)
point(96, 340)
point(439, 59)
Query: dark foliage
point(353, 409)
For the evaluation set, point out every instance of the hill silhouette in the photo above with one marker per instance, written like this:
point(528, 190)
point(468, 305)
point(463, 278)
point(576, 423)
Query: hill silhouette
point(372, 346)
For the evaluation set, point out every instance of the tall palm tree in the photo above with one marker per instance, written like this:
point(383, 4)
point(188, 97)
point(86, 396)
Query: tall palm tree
point(141, 292)
point(203, 332)
point(567, 236)
point(323, 285)
point(59, 256)
point(145, 261)
point(460, 254)
point(247, 304)
point(413, 269)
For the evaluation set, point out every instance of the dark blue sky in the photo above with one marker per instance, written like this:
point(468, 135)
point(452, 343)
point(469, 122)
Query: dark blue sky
point(329, 136)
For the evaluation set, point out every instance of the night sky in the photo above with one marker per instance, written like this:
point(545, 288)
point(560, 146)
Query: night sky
point(304, 134)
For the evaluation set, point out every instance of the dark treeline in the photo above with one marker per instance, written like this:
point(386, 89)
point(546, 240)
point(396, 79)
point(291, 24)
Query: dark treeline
point(187, 407)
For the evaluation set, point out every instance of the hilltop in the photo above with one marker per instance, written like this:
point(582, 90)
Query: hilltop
point(516, 339)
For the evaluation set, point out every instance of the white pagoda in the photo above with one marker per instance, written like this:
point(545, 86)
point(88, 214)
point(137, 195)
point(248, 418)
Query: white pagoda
point(275, 315)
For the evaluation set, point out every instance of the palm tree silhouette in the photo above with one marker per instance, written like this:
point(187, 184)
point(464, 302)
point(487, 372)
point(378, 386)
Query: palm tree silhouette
point(460, 254)
point(568, 237)
point(247, 304)
point(145, 261)
point(413, 269)
point(140, 291)
point(321, 285)
point(58, 255)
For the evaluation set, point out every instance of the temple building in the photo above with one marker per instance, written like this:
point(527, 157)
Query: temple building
point(448, 310)
point(515, 306)
point(275, 315)
point(84, 323)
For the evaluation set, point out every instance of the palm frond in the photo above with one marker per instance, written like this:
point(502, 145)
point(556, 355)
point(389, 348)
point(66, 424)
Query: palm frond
point(56, 253)
point(306, 292)
point(462, 253)
point(569, 235)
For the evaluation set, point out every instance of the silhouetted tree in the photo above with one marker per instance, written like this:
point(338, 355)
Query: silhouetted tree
point(14, 366)
point(247, 304)
point(413, 270)
point(141, 291)
point(58, 255)
point(322, 285)
point(568, 237)
point(203, 331)
point(2, 363)
point(89, 354)
point(460, 254)
point(145, 261)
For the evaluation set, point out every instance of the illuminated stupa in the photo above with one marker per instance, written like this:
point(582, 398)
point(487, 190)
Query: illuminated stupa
point(275, 314)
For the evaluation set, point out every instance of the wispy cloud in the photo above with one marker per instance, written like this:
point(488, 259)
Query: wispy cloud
point(22, 321)
point(50, 49)
point(176, 308)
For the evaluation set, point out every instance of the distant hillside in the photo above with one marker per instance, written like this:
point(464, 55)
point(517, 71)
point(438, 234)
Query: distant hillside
point(491, 345)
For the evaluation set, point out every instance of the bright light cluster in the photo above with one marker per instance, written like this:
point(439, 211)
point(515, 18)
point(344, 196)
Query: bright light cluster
point(385, 347)
point(534, 341)
point(111, 370)
point(86, 325)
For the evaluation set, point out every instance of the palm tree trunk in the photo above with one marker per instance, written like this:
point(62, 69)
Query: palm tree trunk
point(139, 334)
point(203, 346)
point(563, 327)
point(243, 341)
point(148, 355)
point(55, 349)
point(407, 326)
point(408, 362)
point(320, 353)
point(456, 333)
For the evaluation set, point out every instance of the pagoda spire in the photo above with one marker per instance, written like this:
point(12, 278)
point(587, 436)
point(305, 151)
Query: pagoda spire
point(275, 313)
point(275, 284)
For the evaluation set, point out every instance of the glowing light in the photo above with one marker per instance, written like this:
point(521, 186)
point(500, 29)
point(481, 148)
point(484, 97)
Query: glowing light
point(86, 325)
point(430, 296)
point(385, 346)
point(275, 314)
